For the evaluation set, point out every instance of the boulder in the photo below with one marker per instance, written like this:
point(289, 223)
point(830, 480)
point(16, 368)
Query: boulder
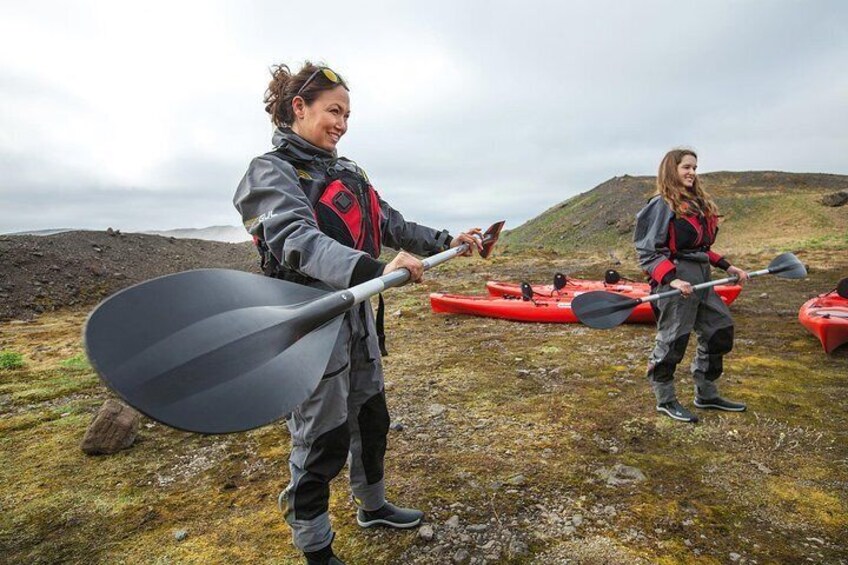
point(835, 199)
point(624, 225)
point(114, 428)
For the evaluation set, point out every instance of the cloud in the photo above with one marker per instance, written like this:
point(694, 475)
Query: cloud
point(145, 116)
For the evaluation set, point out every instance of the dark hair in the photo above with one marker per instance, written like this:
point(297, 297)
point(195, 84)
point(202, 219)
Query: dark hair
point(284, 86)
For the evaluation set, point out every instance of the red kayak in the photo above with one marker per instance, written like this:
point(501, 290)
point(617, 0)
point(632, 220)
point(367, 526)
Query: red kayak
point(540, 309)
point(727, 292)
point(826, 317)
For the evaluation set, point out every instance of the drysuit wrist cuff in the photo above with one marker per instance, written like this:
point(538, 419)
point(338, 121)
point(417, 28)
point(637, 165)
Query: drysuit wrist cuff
point(662, 271)
point(443, 241)
point(723, 264)
point(365, 270)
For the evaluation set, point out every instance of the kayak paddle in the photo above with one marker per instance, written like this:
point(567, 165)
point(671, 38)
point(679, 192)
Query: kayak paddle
point(221, 351)
point(603, 310)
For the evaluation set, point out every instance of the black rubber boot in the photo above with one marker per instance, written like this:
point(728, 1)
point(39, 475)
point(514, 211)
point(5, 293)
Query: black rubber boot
point(719, 403)
point(677, 411)
point(323, 556)
point(389, 515)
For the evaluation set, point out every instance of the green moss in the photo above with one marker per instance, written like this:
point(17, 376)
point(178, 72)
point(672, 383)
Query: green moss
point(830, 241)
point(78, 362)
point(808, 503)
point(48, 385)
point(11, 360)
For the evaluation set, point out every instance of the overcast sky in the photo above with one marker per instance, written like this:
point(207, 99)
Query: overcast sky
point(144, 115)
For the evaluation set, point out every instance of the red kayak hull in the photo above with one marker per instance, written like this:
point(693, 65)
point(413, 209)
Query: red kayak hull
point(544, 310)
point(727, 292)
point(826, 317)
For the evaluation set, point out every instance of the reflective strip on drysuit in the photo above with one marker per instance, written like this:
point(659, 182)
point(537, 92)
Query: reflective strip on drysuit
point(704, 313)
point(345, 419)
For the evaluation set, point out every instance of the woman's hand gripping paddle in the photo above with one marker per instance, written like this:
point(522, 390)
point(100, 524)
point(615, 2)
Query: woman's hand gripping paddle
point(604, 310)
point(220, 351)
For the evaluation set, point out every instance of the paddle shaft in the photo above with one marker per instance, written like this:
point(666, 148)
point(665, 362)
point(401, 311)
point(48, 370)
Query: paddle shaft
point(327, 307)
point(367, 289)
point(605, 310)
point(675, 292)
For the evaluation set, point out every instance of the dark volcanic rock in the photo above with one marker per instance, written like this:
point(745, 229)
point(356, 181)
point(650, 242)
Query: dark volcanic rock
point(835, 199)
point(114, 428)
point(46, 273)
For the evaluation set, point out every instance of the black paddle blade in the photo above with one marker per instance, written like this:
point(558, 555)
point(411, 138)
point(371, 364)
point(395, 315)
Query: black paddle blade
point(787, 266)
point(212, 351)
point(602, 310)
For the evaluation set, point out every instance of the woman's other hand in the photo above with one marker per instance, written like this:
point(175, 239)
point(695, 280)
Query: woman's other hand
point(468, 237)
point(684, 287)
point(404, 260)
point(736, 271)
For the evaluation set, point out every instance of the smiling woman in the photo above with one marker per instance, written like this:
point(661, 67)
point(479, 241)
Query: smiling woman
point(674, 235)
point(316, 107)
point(318, 221)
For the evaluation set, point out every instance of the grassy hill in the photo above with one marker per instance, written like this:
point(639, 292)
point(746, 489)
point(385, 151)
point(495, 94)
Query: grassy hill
point(762, 210)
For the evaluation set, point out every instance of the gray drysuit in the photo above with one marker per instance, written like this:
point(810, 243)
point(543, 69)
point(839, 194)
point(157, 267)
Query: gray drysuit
point(346, 417)
point(669, 248)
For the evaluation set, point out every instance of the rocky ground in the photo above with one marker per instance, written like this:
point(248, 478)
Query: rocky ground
point(46, 273)
point(524, 443)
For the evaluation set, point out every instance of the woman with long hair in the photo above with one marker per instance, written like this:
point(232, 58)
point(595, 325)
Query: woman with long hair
point(674, 235)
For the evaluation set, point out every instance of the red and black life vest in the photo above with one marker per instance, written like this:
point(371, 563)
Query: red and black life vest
point(348, 210)
point(692, 232)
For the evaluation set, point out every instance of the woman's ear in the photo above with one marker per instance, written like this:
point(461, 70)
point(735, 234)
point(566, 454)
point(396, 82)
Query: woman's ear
point(298, 107)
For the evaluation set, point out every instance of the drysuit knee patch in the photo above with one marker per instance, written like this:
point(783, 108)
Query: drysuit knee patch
point(721, 341)
point(326, 459)
point(373, 422)
point(677, 350)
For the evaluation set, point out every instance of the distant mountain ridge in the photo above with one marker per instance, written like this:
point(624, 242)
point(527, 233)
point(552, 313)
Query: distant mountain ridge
point(226, 234)
point(49, 231)
point(760, 210)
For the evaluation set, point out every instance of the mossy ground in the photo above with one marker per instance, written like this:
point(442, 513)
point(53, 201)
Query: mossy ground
point(554, 403)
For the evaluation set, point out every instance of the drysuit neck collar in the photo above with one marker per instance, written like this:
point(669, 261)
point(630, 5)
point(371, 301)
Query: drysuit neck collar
point(289, 143)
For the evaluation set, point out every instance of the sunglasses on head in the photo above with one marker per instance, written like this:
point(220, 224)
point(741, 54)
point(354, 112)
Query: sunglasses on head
point(328, 74)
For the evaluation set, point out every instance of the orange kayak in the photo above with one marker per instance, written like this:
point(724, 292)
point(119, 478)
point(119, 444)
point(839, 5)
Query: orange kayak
point(540, 309)
point(549, 305)
point(826, 317)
